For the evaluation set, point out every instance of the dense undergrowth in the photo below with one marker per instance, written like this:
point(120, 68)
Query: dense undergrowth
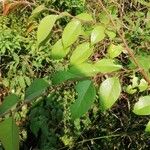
point(46, 124)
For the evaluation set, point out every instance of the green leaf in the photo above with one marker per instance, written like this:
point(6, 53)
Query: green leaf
point(109, 92)
point(36, 89)
point(62, 76)
point(134, 81)
point(142, 59)
point(9, 134)
point(85, 17)
point(58, 50)
point(37, 11)
point(114, 50)
point(106, 66)
point(111, 34)
point(104, 18)
point(142, 107)
point(8, 103)
point(84, 69)
point(86, 95)
point(130, 89)
point(147, 129)
point(81, 53)
point(45, 28)
point(98, 34)
point(71, 33)
point(143, 85)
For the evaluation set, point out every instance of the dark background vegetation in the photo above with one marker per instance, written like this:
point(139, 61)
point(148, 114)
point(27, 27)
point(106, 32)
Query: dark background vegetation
point(46, 125)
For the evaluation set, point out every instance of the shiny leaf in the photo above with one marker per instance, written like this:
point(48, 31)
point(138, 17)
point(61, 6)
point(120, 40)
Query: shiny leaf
point(71, 33)
point(106, 66)
point(109, 92)
point(84, 69)
point(114, 50)
point(98, 34)
point(143, 85)
point(45, 28)
point(142, 107)
point(81, 53)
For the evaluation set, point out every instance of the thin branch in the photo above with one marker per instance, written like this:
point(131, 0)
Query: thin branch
point(130, 52)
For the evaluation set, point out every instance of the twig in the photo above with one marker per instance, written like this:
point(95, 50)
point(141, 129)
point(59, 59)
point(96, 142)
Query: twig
point(141, 70)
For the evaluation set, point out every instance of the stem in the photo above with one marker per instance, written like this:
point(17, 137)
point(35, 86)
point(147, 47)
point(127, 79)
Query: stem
point(130, 52)
point(102, 137)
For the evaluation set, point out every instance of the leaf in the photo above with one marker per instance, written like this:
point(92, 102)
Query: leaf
point(98, 34)
point(134, 81)
point(58, 50)
point(111, 34)
point(142, 59)
point(9, 134)
point(85, 17)
point(86, 95)
point(147, 129)
point(104, 18)
point(71, 33)
point(143, 85)
point(130, 89)
point(114, 50)
point(81, 53)
point(62, 76)
point(35, 89)
point(45, 28)
point(142, 107)
point(85, 69)
point(37, 11)
point(106, 66)
point(109, 92)
point(8, 103)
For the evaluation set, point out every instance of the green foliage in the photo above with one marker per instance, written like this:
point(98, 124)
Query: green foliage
point(85, 52)
point(58, 51)
point(45, 28)
point(85, 17)
point(81, 54)
point(114, 50)
point(37, 11)
point(86, 95)
point(147, 129)
point(97, 34)
point(107, 65)
point(71, 33)
point(9, 134)
point(8, 103)
point(142, 106)
point(62, 76)
point(109, 92)
point(35, 90)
